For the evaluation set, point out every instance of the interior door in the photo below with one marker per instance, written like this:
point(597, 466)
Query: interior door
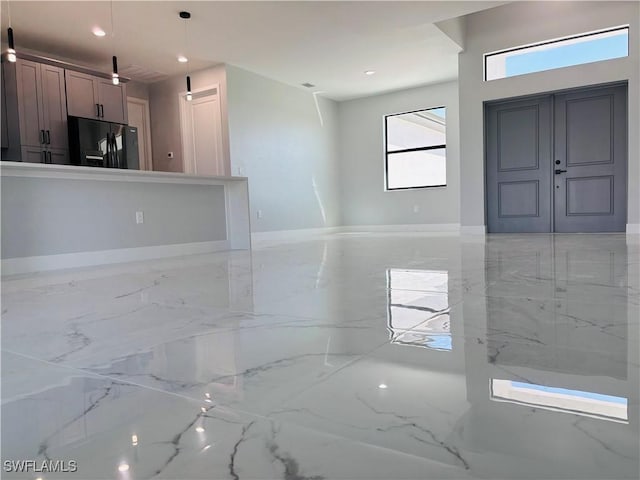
point(591, 160)
point(202, 134)
point(518, 165)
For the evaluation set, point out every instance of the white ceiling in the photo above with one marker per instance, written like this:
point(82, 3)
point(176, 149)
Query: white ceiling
point(329, 44)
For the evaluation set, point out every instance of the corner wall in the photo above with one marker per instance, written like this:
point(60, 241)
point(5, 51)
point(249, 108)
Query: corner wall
point(521, 23)
point(361, 129)
point(276, 139)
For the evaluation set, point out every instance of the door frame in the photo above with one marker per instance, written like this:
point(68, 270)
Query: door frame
point(487, 103)
point(188, 161)
point(148, 162)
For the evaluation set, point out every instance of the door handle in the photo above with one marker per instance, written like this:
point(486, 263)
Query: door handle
point(97, 109)
point(559, 171)
point(48, 137)
point(49, 157)
point(41, 136)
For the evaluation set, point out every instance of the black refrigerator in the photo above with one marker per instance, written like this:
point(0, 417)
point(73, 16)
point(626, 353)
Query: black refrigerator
point(94, 143)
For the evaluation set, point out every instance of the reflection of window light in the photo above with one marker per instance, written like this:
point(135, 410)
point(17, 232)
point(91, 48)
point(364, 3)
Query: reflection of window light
point(418, 308)
point(589, 404)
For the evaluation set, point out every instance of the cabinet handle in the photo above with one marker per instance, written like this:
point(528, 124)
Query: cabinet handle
point(48, 137)
point(102, 110)
point(49, 157)
point(41, 136)
point(44, 156)
point(97, 109)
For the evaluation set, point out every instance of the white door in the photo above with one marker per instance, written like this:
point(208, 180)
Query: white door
point(202, 136)
point(138, 111)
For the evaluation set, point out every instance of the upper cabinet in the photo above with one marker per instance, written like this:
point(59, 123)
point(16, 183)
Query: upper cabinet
point(42, 108)
point(94, 97)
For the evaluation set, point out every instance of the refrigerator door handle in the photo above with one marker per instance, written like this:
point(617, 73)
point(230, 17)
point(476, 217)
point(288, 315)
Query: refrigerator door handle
point(115, 152)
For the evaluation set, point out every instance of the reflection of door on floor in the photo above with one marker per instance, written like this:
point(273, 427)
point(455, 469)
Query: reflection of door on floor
point(138, 111)
point(558, 162)
point(202, 134)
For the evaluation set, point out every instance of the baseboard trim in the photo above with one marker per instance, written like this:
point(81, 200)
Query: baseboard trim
point(16, 266)
point(473, 229)
point(283, 236)
point(633, 228)
point(261, 239)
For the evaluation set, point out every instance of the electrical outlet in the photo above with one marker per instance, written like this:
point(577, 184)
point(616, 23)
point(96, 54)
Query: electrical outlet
point(416, 209)
point(259, 213)
point(139, 217)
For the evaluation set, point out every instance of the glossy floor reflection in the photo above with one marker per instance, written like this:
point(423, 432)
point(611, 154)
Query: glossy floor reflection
point(351, 356)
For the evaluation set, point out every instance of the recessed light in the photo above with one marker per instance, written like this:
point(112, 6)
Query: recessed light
point(382, 386)
point(370, 72)
point(123, 467)
point(199, 429)
point(98, 32)
point(182, 59)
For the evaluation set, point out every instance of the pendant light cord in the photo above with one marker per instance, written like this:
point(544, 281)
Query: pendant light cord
point(186, 43)
point(113, 36)
point(9, 12)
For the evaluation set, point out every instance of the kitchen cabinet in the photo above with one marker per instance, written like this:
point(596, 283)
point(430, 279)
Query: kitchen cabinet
point(42, 109)
point(94, 97)
point(58, 156)
point(3, 106)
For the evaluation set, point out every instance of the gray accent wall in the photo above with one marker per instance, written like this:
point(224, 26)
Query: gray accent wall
point(48, 216)
point(138, 90)
point(164, 109)
point(522, 23)
point(291, 159)
point(364, 200)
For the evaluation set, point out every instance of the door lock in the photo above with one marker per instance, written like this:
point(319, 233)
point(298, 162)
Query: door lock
point(558, 171)
point(557, 162)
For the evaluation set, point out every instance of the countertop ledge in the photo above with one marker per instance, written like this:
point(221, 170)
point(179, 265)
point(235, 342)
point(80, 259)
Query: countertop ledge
point(73, 172)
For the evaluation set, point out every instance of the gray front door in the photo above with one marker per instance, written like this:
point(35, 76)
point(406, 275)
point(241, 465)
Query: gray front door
point(558, 163)
point(519, 165)
point(591, 161)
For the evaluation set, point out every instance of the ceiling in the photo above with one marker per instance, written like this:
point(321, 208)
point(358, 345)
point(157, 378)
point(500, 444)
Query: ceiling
point(328, 44)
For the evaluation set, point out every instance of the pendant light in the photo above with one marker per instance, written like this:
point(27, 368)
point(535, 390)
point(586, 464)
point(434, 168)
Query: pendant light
point(115, 78)
point(186, 16)
point(11, 51)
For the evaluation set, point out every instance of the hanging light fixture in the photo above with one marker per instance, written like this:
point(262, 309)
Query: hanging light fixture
point(186, 16)
point(11, 51)
point(115, 78)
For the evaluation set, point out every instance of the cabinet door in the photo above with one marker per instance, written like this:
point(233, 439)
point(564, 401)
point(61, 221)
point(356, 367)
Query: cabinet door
point(113, 100)
point(30, 103)
point(55, 107)
point(33, 155)
point(58, 156)
point(82, 94)
point(3, 100)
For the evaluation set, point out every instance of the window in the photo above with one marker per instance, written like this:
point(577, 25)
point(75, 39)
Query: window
point(418, 308)
point(575, 50)
point(415, 149)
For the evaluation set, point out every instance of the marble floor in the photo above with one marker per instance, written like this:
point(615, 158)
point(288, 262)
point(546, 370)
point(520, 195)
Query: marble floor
point(351, 356)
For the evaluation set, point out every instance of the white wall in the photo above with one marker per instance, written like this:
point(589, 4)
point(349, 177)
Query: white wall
point(164, 108)
point(522, 23)
point(276, 140)
point(363, 200)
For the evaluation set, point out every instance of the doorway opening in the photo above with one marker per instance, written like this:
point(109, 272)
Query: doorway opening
point(557, 162)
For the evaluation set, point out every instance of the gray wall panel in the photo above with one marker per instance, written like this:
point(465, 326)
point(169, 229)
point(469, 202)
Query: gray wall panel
point(46, 216)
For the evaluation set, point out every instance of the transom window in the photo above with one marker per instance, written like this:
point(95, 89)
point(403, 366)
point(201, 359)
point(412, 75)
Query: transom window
point(415, 149)
point(565, 52)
